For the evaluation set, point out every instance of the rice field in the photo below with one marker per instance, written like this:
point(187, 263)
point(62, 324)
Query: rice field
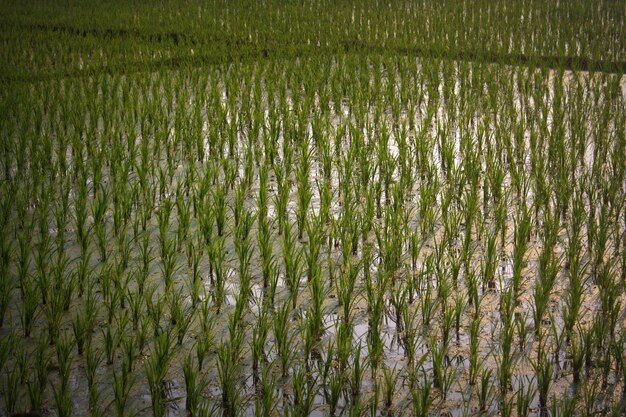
point(236, 208)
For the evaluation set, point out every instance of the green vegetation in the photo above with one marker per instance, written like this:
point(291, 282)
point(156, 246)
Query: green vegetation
point(276, 208)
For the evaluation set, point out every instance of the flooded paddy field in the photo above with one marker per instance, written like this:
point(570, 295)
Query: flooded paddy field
point(310, 234)
point(344, 234)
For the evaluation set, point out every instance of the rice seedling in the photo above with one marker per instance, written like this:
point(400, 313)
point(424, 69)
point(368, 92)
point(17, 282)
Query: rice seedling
point(485, 390)
point(506, 361)
point(207, 409)
point(266, 248)
point(427, 306)
point(589, 395)
point(259, 337)
point(421, 399)
point(30, 306)
point(283, 337)
point(267, 402)
point(522, 235)
point(356, 374)
point(333, 384)
point(218, 208)
point(122, 384)
point(98, 212)
point(204, 343)
point(181, 316)
point(578, 358)
point(217, 256)
point(53, 313)
point(474, 359)
point(548, 270)
point(168, 262)
point(38, 380)
point(565, 406)
point(373, 403)
point(544, 372)
point(156, 372)
point(304, 391)
point(6, 284)
point(228, 374)
point(343, 343)
point(489, 263)
point(62, 393)
point(304, 192)
point(390, 378)
point(525, 394)
point(292, 260)
point(346, 285)
point(10, 389)
point(438, 354)
point(236, 336)
point(194, 385)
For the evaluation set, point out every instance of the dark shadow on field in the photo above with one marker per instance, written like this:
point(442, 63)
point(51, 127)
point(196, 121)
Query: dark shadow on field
point(225, 50)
